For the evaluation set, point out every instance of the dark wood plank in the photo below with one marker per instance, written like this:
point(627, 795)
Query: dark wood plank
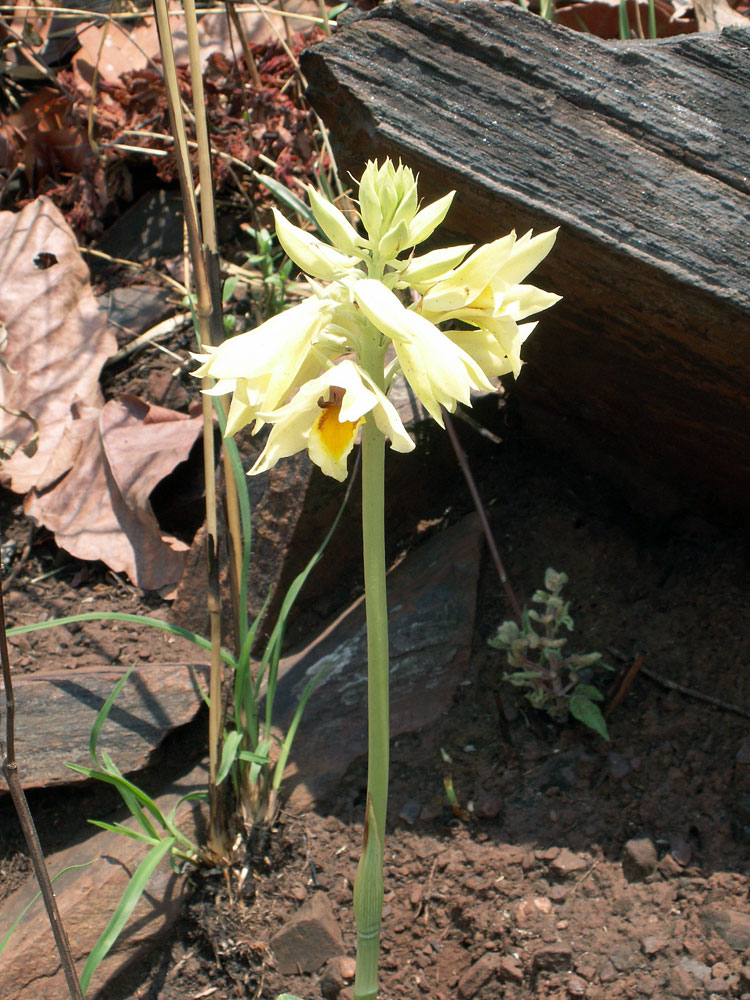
point(639, 151)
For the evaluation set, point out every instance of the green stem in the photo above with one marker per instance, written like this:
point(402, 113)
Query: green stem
point(368, 888)
point(373, 539)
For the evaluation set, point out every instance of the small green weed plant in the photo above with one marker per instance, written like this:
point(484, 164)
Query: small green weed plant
point(555, 683)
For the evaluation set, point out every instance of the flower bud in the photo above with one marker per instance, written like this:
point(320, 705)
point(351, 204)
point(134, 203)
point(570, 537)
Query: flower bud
point(334, 223)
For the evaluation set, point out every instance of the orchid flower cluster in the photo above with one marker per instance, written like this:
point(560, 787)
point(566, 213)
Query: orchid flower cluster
point(453, 320)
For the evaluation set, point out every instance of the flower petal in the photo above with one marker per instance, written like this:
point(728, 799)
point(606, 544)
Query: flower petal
point(330, 442)
point(431, 266)
point(525, 256)
point(334, 223)
point(439, 372)
point(470, 279)
point(309, 253)
point(426, 221)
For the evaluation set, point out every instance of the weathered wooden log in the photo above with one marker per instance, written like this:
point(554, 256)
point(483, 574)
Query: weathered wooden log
point(639, 152)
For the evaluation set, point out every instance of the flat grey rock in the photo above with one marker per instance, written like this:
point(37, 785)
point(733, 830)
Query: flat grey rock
point(55, 712)
point(431, 600)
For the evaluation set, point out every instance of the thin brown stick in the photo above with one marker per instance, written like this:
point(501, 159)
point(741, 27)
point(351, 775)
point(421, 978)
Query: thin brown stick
point(236, 23)
point(217, 840)
point(623, 684)
point(697, 695)
point(464, 463)
point(10, 773)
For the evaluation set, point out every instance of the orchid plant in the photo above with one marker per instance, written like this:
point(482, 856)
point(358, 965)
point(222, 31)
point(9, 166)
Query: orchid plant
point(319, 374)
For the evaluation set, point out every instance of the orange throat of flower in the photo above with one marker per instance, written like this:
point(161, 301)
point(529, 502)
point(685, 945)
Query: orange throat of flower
point(335, 436)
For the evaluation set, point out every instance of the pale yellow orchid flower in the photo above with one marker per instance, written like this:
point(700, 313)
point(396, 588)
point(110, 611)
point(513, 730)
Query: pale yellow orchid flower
point(325, 416)
point(485, 280)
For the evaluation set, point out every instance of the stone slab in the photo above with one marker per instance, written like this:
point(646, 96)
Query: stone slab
point(56, 710)
point(87, 897)
point(432, 602)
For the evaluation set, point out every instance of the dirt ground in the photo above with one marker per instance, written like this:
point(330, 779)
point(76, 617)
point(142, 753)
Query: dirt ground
point(533, 893)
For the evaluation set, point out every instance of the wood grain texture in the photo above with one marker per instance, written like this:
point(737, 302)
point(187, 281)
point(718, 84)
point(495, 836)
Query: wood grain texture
point(639, 151)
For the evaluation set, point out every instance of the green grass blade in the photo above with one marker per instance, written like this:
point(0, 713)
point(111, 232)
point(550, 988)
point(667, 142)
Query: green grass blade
point(123, 785)
point(119, 616)
point(286, 746)
point(243, 497)
point(285, 197)
point(199, 795)
point(253, 758)
point(272, 652)
point(25, 910)
point(228, 754)
point(125, 907)
point(651, 19)
point(104, 714)
point(623, 21)
point(125, 831)
point(245, 697)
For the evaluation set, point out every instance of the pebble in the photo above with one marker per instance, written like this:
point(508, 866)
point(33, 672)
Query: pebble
point(680, 850)
point(567, 862)
point(639, 859)
point(732, 926)
point(682, 983)
point(697, 969)
point(511, 968)
point(618, 766)
point(607, 972)
point(478, 975)
point(309, 938)
point(653, 945)
point(576, 987)
point(556, 955)
point(409, 811)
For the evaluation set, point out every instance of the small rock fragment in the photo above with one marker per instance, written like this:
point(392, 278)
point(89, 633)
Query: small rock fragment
point(511, 968)
point(575, 987)
point(347, 966)
point(478, 975)
point(669, 867)
point(607, 972)
point(309, 938)
point(682, 983)
point(696, 969)
point(732, 926)
point(567, 862)
point(653, 944)
point(332, 982)
point(554, 956)
point(639, 859)
point(720, 970)
point(680, 849)
point(409, 811)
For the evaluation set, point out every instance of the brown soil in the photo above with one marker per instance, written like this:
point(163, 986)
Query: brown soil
point(527, 895)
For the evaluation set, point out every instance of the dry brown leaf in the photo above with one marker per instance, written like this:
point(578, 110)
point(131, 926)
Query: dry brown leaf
point(57, 339)
point(116, 51)
point(99, 509)
point(713, 15)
